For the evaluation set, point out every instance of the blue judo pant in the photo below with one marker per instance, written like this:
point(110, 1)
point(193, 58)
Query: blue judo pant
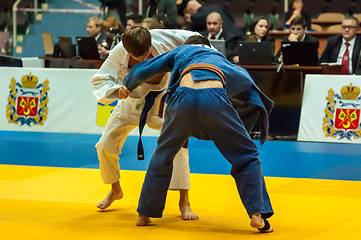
point(206, 114)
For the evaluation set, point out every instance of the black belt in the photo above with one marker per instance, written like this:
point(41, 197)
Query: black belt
point(149, 102)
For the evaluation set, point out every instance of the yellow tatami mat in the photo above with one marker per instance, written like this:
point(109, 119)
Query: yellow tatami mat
point(60, 203)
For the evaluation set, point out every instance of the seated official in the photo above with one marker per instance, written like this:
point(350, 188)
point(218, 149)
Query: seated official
point(215, 31)
point(258, 32)
point(298, 30)
point(94, 28)
point(344, 48)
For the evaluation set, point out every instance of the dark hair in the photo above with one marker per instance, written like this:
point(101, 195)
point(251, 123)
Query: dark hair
point(351, 17)
point(298, 21)
point(196, 39)
point(136, 18)
point(137, 40)
point(254, 22)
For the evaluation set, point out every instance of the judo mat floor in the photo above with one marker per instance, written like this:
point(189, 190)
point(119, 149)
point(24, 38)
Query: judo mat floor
point(48, 191)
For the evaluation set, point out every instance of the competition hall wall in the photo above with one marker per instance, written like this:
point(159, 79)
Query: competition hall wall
point(52, 100)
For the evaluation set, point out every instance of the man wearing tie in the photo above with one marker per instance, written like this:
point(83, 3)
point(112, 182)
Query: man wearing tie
point(215, 31)
point(344, 48)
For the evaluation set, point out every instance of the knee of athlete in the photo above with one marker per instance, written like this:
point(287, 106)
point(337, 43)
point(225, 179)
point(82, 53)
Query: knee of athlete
point(162, 169)
point(107, 149)
point(242, 165)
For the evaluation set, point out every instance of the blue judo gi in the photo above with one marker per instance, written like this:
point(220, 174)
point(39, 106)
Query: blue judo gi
point(206, 114)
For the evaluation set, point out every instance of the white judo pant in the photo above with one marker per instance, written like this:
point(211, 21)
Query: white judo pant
point(124, 118)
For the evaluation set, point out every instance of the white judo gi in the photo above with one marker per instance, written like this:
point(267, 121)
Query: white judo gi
point(125, 116)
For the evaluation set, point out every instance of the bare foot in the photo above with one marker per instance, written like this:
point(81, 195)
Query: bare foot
point(185, 206)
point(142, 221)
point(259, 223)
point(115, 194)
point(187, 213)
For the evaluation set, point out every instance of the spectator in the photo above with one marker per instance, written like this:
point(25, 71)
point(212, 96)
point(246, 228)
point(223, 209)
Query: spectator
point(181, 19)
point(298, 30)
point(166, 9)
point(95, 29)
point(115, 8)
point(113, 29)
point(198, 17)
point(215, 31)
point(181, 5)
point(295, 9)
point(112, 26)
point(133, 19)
point(152, 23)
point(344, 48)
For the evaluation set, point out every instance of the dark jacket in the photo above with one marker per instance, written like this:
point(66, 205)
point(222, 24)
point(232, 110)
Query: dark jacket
point(333, 47)
point(199, 19)
point(103, 37)
point(304, 15)
point(164, 8)
point(308, 38)
point(230, 39)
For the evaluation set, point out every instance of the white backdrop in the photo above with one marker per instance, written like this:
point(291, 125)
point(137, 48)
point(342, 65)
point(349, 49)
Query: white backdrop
point(327, 114)
point(71, 106)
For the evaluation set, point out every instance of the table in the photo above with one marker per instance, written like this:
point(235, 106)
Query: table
point(322, 69)
point(285, 88)
point(321, 36)
point(52, 62)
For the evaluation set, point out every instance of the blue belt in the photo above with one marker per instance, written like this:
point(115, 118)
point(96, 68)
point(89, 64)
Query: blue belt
point(149, 102)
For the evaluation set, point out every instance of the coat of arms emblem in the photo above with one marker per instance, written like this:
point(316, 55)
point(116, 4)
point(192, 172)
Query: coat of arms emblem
point(27, 101)
point(342, 113)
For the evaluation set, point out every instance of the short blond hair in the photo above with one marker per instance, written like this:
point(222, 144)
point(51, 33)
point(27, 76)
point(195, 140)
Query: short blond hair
point(97, 20)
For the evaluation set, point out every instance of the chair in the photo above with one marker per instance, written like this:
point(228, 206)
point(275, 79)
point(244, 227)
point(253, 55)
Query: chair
point(331, 16)
point(4, 43)
point(316, 27)
point(358, 16)
point(335, 28)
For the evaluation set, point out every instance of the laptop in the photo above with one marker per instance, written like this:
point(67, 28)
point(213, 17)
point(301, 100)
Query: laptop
point(220, 45)
point(48, 43)
point(66, 47)
point(87, 48)
point(301, 53)
point(255, 53)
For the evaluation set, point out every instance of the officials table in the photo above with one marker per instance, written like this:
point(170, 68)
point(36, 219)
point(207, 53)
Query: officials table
point(321, 69)
point(52, 62)
point(321, 36)
point(284, 85)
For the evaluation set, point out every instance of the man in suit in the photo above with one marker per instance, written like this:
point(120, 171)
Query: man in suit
point(198, 16)
point(344, 48)
point(298, 30)
point(94, 28)
point(215, 31)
